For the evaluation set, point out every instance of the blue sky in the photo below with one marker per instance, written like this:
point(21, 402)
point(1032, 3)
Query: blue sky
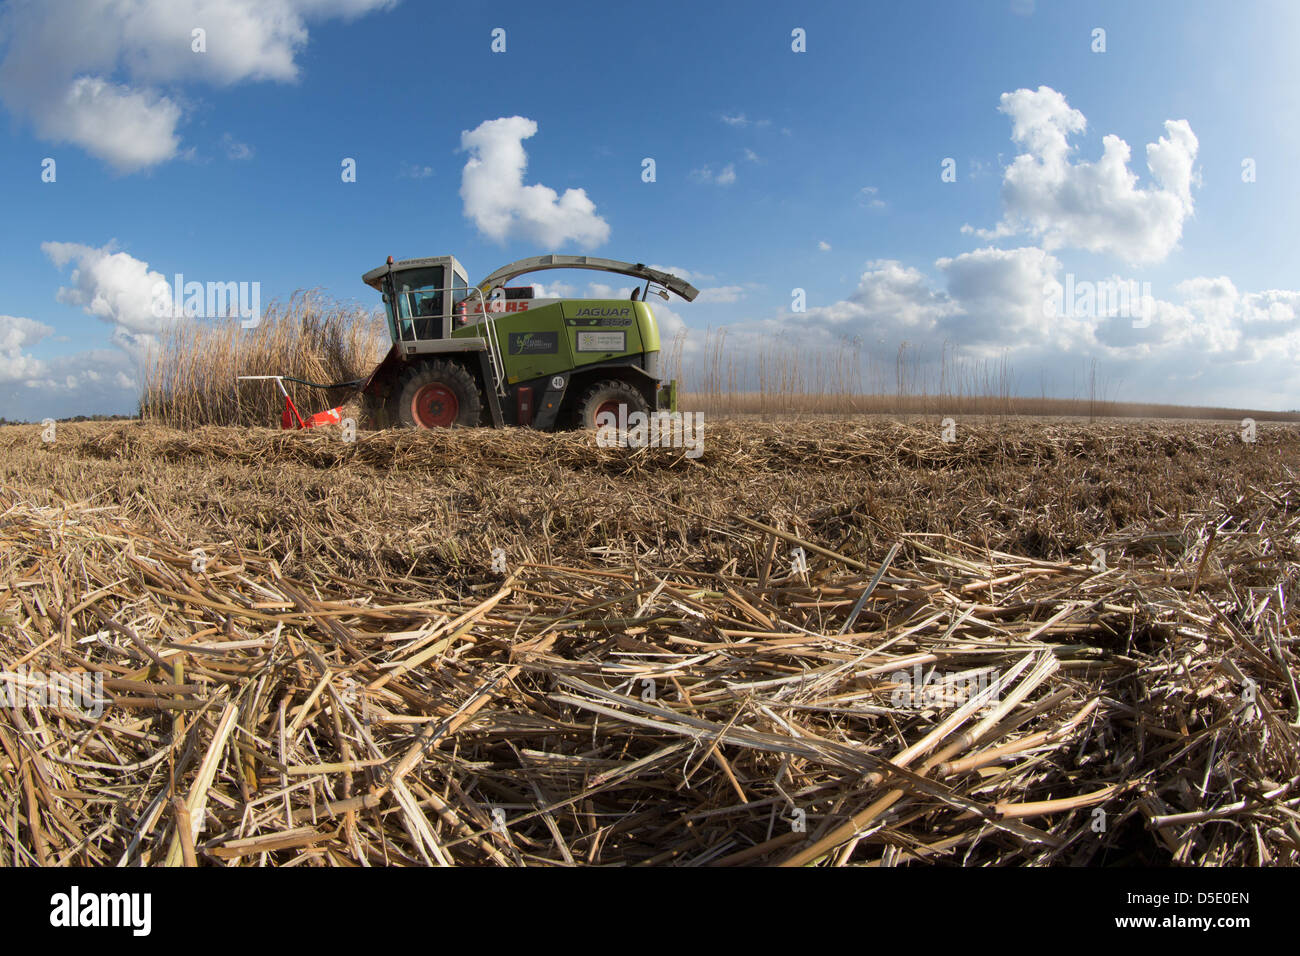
point(775, 170)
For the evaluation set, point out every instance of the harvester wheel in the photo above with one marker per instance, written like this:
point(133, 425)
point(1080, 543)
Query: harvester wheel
point(607, 396)
point(438, 394)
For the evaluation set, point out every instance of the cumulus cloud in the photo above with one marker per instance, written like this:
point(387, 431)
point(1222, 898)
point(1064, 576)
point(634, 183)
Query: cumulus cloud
point(110, 285)
point(892, 302)
point(688, 274)
point(999, 297)
point(1208, 343)
point(553, 290)
point(104, 381)
point(31, 389)
point(602, 290)
point(16, 334)
point(114, 287)
point(129, 128)
point(1214, 319)
point(501, 206)
point(869, 196)
point(235, 149)
point(740, 121)
point(671, 327)
point(93, 74)
point(721, 293)
point(1097, 206)
point(414, 171)
point(117, 288)
point(723, 177)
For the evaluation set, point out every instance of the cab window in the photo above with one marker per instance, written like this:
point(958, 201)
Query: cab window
point(420, 298)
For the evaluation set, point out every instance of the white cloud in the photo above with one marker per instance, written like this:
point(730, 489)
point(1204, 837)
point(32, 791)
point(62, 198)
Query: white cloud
point(103, 381)
point(1094, 206)
point(1208, 344)
point(554, 290)
point(88, 72)
point(722, 293)
point(752, 156)
point(869, 196)
point(671, 326)
point(414, 171)
point(892, 302)
point(823, 245)
point(688, 274)
point(501, 206)
point(990, 300)
point(112, 286)
point(16, 334)
point(740, 120)
point(600, 290)
point(129, 128)
point(999, 296)
point(724, 177)
point(235, 149)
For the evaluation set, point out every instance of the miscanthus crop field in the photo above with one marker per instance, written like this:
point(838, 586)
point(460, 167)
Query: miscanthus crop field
point(834, 642)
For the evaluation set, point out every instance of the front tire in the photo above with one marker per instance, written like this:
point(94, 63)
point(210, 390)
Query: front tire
point(607, 396)
point(438, 394)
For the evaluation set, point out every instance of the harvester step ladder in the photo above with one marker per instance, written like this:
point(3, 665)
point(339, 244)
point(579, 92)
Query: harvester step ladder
point(494, 352)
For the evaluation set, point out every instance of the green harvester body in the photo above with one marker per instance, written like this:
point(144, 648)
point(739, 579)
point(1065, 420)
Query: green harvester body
point(490, 354)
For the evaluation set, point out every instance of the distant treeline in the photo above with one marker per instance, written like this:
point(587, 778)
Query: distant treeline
point(74, 418)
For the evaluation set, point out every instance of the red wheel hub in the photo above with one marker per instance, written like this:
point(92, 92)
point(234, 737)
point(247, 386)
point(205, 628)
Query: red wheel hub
point(610, 406)
point(435, 406)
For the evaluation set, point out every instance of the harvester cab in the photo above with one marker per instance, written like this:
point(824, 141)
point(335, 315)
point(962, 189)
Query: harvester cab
point(491, 354)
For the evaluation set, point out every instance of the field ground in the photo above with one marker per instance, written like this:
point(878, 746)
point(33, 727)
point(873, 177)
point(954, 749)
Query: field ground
point(311, 660)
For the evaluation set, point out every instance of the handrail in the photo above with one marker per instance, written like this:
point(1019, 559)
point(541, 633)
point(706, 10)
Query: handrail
point(493, 346)
point(494, 353)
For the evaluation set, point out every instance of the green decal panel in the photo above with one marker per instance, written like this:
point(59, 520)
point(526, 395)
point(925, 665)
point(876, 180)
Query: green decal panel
point(603, 329)
point(552, 339)
point(533, 342)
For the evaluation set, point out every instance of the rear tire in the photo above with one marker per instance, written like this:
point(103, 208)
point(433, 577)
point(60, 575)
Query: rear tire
point(437, 394)
point(607, 396)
